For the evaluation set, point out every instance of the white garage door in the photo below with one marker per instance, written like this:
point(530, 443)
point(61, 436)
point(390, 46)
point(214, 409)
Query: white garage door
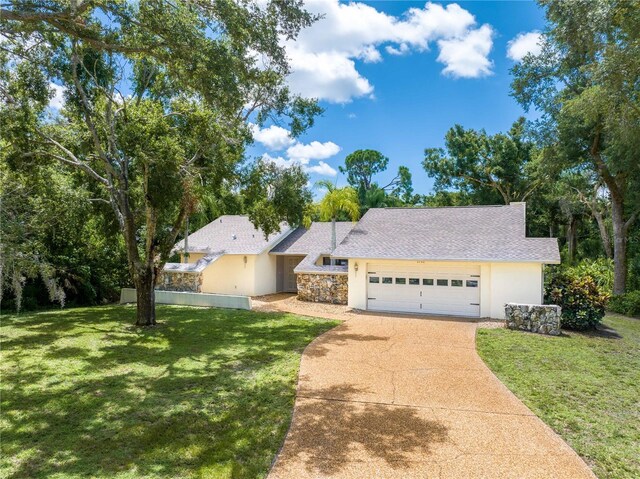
point(452, 290)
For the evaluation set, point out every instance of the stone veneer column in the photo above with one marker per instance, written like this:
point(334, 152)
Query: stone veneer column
point(180, 281)
point(537, 318)
point(323, 288)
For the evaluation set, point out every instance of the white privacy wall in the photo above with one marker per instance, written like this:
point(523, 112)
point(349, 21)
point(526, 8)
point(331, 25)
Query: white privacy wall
point(515, 283)
point(229, 274)
point(500, 283)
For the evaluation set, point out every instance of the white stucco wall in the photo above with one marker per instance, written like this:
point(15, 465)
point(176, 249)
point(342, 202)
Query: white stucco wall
point(500, 283)
point(515, 283)
point(231, 275)
point(265, 270)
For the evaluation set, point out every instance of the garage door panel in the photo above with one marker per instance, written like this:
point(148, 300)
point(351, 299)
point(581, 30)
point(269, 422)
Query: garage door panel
point(402, 306)
point(447, 290)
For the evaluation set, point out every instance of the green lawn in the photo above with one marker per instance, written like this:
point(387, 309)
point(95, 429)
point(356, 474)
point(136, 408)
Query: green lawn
point(206, 394)
point(585, 386)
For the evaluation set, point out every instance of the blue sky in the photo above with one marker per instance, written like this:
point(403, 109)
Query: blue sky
point(396, 75)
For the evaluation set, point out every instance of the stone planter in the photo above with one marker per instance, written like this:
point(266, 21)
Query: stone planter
point(537, 318)
point(179, 281)
point(322, 288)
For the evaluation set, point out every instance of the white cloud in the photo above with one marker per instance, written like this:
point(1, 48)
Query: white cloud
point(57, 100)
point(467, 56)
point(327, 76)
point(522, 44)
point(280, 161)
point(370, 54)
point(321, 168)
point(313, 151)
point(274, 138)
point(403, 49)
point(302, 154)
point(323, 57)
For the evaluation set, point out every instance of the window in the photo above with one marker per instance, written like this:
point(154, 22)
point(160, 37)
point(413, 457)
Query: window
point(472, 283)
point(456, 282)
point(401, 280)
point(326, 261)
point(442, 282)
point(414, 281)
point(427, 282)
point(374, 279)
point(387, 280)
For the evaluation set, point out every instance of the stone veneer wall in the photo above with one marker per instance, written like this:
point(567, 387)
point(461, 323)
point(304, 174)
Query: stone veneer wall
point(179, 281)
point(322, 288)
point(543, 319)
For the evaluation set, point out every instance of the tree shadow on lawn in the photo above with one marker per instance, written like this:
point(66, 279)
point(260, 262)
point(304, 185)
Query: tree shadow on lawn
point(601, 331)
point(208, 394)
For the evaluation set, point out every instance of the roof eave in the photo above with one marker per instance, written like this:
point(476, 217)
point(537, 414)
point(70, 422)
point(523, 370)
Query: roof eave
point(463, 260)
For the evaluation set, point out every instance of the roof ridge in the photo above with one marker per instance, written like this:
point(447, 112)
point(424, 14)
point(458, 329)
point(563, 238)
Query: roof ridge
point(437, 207)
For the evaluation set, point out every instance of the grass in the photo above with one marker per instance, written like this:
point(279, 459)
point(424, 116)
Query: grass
point(585, 386)
point(207, 394)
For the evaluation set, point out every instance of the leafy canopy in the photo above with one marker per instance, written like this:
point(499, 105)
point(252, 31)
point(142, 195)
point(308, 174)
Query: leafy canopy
point(157, 100)
point(485, 165)
point(338, 200)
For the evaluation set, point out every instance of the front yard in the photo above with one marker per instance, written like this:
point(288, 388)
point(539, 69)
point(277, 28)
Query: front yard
point(207, 394)
point(585, 386)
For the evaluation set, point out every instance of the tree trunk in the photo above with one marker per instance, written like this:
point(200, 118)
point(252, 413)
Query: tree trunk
point(604, 234)
point(333, 240)
point(619, 246)
point(145, 292)
point(572, 229)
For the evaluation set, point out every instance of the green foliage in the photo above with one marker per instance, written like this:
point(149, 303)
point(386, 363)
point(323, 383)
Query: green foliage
point(627, 304)
point(488, 167)
point(582, 302)
point(600, 270)
point(585, 83)
point(273, 194)
point(198, 72)
point(360, 167)
point(338, 200)
point(208, 394)
point(56, 243)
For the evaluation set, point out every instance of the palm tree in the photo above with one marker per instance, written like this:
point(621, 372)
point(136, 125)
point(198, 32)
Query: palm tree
point(336, 201)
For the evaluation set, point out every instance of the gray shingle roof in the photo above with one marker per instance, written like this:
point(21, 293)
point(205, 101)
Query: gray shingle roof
point(315, 239)
point(196, 267)
point(478, 233)
point(231, 234)
point(312, 243)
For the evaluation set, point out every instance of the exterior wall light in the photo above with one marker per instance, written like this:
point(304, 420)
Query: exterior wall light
point(355, 266)
point(244, 259)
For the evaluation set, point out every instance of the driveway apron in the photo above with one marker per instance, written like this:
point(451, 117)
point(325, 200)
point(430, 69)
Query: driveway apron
point(409, 397)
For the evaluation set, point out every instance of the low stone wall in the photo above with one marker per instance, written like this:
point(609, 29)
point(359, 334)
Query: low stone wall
point(537, 318)
point(322, 288)
point(179, 281)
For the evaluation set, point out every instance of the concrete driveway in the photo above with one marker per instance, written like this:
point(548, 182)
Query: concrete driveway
point(408, 397)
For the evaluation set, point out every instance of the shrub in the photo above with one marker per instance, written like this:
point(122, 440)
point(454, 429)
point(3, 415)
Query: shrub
point(601, 270)
point(581, 300)
point(627, 304)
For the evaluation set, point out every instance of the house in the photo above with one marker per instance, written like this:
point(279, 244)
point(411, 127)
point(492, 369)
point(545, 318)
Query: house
point(463, 261)
point(231, 256)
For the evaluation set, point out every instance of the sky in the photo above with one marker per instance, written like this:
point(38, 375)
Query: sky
point(394, 76)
